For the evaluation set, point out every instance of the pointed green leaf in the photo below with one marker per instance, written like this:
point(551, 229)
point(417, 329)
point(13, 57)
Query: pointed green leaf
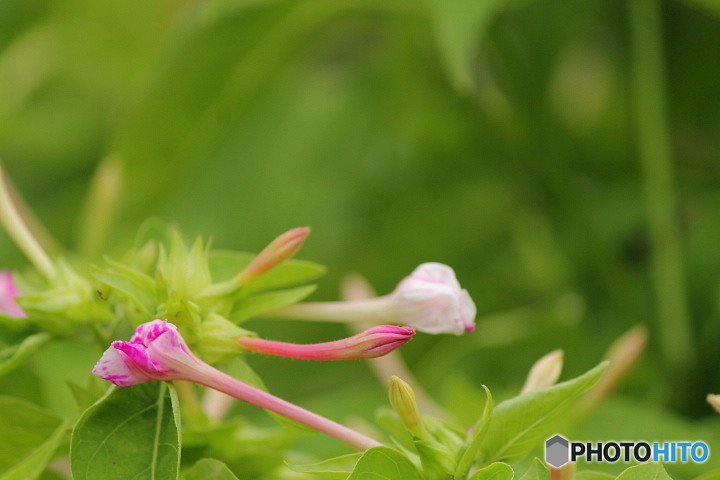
point(476, 437)
point(26, 439)
point(132, 432)
point(646, 471)
point(338, 468)
point(537, 471)
point(13, 356)
point(210, 469)
point(263, 302)
point(383, 463)
point(32, 466)
point(522, 423)
point(494, 471)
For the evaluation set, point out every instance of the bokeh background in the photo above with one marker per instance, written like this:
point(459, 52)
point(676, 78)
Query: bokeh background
point(561, 156)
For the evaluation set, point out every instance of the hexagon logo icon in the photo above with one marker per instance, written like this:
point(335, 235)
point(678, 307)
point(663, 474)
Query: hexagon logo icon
point(557, 451)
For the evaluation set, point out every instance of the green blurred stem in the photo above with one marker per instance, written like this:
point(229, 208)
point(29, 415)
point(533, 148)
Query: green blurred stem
point(654, 151)
point(102, 203)
point(17, 228)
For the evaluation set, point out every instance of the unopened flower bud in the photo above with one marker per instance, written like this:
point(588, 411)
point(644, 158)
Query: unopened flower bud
point(282, 248)
point(371, 343)
point(545, 372)
point(402, 399)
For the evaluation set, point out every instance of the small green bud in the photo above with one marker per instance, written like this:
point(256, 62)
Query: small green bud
point(402, 399)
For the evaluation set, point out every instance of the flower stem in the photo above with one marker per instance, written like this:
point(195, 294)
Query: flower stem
point(20, 233)
point(370, 311)
point(654, 151)
point(222, 382)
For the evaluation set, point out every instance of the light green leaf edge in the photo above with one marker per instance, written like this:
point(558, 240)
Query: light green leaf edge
point(384, 463)
point(537, 471)
point(646, 471)
point(494, 471)
point(210, 469)
point(338, 468)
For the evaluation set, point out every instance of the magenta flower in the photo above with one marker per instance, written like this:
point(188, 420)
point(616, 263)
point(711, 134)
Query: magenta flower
point(8, 293)
point(430, 299)
point(157, 351)
point(373, 342)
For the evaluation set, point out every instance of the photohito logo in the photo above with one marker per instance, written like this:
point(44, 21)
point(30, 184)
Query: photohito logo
point(559, 451)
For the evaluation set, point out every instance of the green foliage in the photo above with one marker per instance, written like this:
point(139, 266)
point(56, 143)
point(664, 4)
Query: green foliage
point(537, 471)
point(522, 423)
point(32, 435)
point(338, 468)
point(382, 463)
point(494, 471)
point(136, 430)
point(210, 469)
point(647, 471)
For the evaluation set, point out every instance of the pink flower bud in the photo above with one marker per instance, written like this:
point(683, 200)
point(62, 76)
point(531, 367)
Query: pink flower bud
point(431, 300)
point(371, 343)
point(8, 293)
point(157, 351)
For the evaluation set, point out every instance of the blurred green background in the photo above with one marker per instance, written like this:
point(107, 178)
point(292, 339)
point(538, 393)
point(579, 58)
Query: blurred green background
point(525, 143)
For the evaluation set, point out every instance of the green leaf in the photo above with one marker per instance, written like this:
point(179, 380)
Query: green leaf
point(646, 471)
point(13, 356)
point(29, 436)
point(263, 302)
point(459, 26)
point(338, 468)
point(590, 475)
point(713, 475)
point(32, 466)
point(494, 471)
point(476, 437)
point(537, 471)
point(383, 463)
point(210, 469)
point(133, 429)
point(522, 423)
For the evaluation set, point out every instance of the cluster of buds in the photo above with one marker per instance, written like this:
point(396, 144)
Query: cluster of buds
point(177, 284)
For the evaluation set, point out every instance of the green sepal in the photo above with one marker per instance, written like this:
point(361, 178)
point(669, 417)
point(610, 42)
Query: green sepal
point(216, 339)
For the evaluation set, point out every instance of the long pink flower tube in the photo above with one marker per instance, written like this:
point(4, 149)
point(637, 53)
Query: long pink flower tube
point(371, 343)
point(158, 352)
